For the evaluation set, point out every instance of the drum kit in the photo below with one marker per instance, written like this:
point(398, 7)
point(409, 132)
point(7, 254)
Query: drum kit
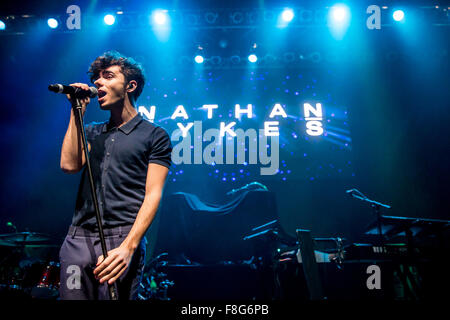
point(27, 266)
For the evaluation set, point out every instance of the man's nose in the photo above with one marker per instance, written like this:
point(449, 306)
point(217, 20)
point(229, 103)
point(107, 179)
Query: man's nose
point(97, 82)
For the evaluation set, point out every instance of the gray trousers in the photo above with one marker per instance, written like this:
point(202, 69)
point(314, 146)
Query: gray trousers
point(78, 257)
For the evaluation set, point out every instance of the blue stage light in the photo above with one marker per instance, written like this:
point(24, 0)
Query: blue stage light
point(2, 25)
point(340, 13)
point(160, 22)
point(252, 58)
point(109, 19)
point(287, 15)
point(198, 59)
point(339, 17)
point(52, 23)
point(160, 17)
point(398, 15)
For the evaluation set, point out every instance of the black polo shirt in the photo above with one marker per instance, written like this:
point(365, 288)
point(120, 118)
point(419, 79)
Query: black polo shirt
point(119, 161)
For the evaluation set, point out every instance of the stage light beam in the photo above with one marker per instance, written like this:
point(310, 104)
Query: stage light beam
point(109, 19)
point(161, 24)
point(339, 17)
point(2, 25)
point(52, 23)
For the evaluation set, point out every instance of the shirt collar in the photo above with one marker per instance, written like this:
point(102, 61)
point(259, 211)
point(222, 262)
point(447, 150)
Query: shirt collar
point(127, 127)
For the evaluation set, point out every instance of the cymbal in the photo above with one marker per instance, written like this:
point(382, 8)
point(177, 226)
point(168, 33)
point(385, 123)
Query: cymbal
point(24, 238)
point(6, 244)
point(26, 245)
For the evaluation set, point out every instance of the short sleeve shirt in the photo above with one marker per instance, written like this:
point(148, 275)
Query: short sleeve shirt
point(119, 160)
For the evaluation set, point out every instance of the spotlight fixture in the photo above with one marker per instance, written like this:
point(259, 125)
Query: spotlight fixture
point(109, 19)
point(287, 15)
point(199, 59)
point(52, 23)
point(160, 17)
point(252, 58)
point(235, 59)
point(339, 13)
point(398, 15)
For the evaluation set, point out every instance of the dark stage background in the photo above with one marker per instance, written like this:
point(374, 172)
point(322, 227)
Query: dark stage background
point(385, 93)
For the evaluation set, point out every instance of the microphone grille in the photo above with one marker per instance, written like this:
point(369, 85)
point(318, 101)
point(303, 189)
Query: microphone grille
point(94, 92)
point(55, 88)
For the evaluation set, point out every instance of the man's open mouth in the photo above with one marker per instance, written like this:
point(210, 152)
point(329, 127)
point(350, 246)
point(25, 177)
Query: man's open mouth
point(101, 94)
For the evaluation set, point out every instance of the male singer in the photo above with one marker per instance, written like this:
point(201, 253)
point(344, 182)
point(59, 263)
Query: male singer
point(130, 158)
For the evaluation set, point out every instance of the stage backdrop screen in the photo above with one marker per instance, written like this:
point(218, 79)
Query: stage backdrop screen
point(240, 125)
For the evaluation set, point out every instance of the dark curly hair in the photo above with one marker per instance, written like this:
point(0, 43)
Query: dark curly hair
point(131, 69)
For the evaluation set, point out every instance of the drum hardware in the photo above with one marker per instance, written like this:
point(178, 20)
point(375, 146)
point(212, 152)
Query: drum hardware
point(25, 271)
point(154, 284)
point(48, 285)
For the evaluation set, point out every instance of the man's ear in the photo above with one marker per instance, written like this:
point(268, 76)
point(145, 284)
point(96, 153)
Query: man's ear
point(132, 85)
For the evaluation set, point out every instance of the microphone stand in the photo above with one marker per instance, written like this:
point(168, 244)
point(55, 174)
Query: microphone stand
point(79, 117)
point(376, 206)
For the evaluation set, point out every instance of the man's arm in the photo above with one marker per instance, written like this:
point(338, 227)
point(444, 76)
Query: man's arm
point(72, 151)
point(119, 259)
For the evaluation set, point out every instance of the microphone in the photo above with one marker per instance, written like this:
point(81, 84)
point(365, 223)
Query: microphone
point(76, 92)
